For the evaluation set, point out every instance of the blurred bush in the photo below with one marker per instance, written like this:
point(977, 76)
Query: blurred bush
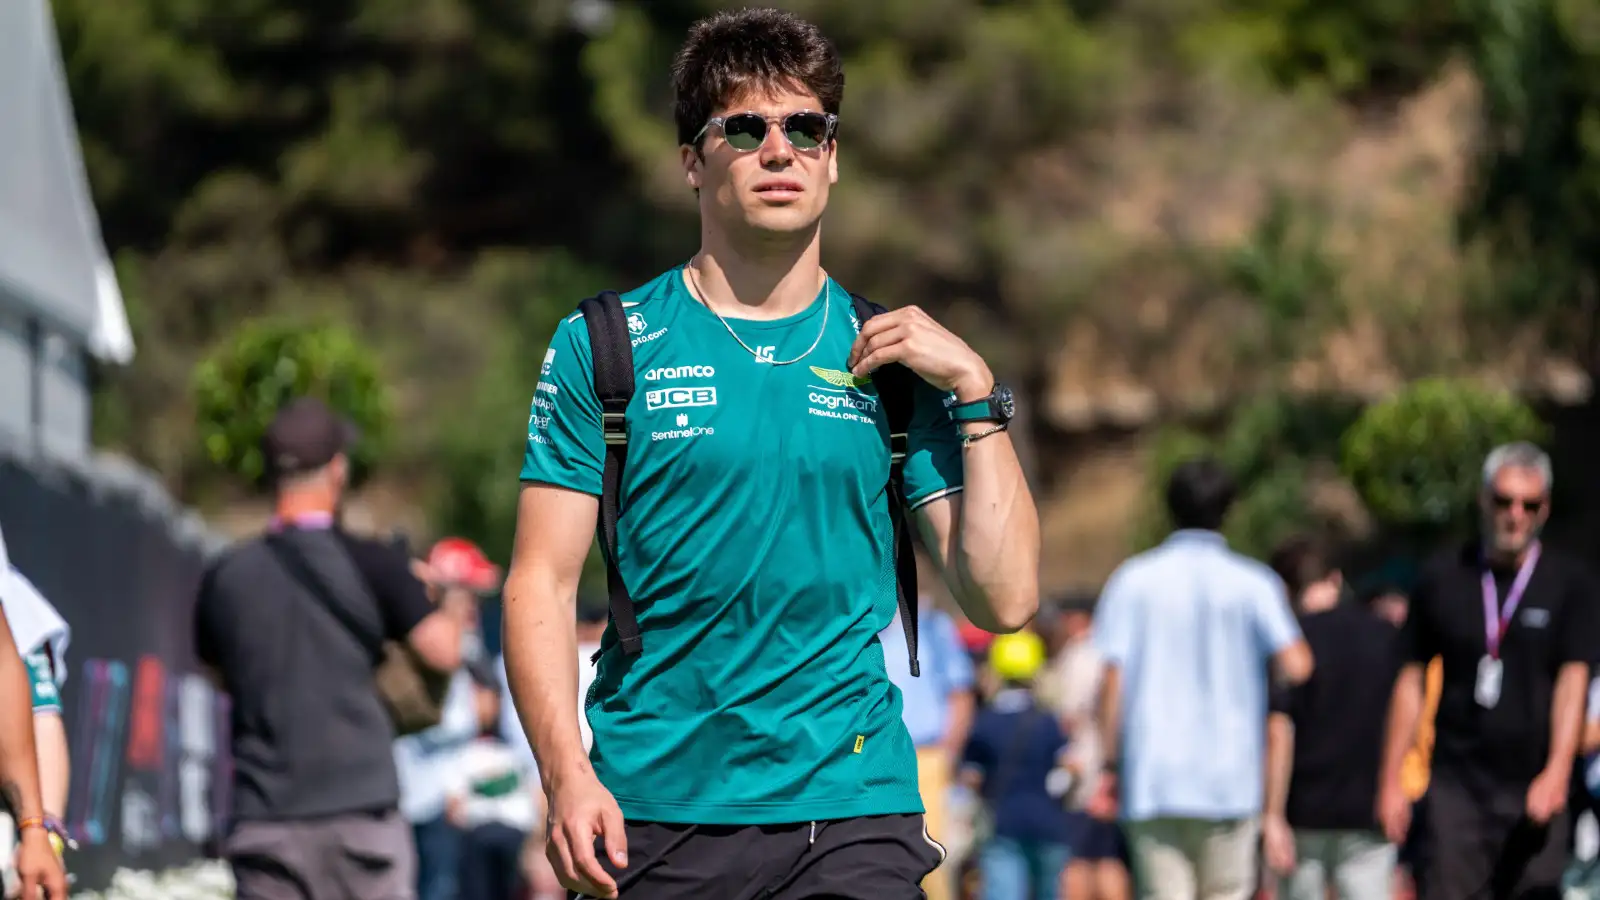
point(239, 388)
point(1416, 458)
point(1277, 446)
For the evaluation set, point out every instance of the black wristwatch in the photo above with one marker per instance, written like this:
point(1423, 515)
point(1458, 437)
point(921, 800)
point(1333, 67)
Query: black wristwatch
point(997, 407)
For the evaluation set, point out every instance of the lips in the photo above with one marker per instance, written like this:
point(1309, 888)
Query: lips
point(782, 186)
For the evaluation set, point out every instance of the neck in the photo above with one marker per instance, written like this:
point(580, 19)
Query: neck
point(1319, 601)
point(758, 280)
point(298, 505)
point(1510, 558)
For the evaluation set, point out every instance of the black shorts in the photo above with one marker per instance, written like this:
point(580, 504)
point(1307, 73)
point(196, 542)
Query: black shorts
point(1478, 845)
point(1095, 840)
point(866, 858)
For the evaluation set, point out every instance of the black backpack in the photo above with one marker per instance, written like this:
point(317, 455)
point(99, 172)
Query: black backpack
point(612, 350)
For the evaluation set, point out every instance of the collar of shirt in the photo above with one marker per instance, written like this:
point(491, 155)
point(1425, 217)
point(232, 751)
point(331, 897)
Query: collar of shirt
point(306, 522)
point(1012, 700)
point(1197, 536)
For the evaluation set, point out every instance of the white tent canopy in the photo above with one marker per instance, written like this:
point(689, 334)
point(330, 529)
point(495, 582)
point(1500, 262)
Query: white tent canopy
point(52, 257)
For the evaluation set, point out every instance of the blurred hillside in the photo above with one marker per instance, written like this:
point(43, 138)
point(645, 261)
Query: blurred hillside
point(1142, 211)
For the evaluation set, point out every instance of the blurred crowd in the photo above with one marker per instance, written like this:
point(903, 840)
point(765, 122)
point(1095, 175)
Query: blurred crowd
point(1204, 724)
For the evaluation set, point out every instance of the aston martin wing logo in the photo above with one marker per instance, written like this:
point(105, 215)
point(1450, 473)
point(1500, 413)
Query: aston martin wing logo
point(841, 379)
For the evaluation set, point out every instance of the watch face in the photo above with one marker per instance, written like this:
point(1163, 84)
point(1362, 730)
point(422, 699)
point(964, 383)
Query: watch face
point(1003, 399)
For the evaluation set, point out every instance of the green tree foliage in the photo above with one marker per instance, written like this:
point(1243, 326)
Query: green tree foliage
point(1416, 459)
point(425, 172)
point(1537, 204)
point(1276, 446)
point(241, 387)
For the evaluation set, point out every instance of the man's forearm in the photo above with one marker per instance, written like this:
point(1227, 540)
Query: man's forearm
point(541, 650)
point(1566, 714)
point(55, 763)
point(1109, 713)
point(1280, 763)
point(1405, 708)
point(997, 553)
point(19, 765)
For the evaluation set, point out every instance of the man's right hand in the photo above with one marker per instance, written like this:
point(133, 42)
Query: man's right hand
point(1394, 814)
point(580, 811)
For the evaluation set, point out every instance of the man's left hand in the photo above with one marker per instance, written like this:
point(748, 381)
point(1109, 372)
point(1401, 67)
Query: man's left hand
point(912, 338)
point(39, 867)
point(1547, 795)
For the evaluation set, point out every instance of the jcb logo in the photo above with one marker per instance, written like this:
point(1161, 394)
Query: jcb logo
point(671, 398)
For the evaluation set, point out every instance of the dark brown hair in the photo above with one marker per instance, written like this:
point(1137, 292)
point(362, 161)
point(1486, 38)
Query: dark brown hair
point(730, 51)
point(1301, 561)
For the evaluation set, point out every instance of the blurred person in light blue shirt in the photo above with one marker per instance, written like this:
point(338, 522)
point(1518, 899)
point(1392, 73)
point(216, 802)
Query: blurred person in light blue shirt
point(1187, 631)
point(937, 710)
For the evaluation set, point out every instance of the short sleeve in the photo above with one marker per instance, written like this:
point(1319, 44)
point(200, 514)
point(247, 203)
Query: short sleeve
point(42, 688)
point(1115, 618)
point(933, 465)
point(1276, 627)
point(1418, 643)
point(565, 444)
point(955, 665)
point(402, 599)
point(1280, 698)
point(1580, 625)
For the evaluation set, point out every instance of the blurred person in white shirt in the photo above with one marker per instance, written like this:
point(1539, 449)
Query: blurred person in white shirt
point(457, 574)
point(591, 624)
point(1070, 687)
point(491, 798)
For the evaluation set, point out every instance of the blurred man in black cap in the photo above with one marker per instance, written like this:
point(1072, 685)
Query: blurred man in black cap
point(287, 623)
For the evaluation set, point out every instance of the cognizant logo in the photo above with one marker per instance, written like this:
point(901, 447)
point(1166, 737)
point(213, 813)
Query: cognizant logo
point(857, 402)
point(669, 372)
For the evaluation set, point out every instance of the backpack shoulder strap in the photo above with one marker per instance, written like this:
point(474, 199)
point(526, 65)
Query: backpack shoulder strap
point(896, 392)
point(612, 350)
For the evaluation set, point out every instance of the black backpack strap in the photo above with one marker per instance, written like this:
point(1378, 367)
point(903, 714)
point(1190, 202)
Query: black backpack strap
point(612, 350)
point(896, 385)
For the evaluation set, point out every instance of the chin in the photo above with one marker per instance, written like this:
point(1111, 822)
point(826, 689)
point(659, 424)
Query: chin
point(781, 221)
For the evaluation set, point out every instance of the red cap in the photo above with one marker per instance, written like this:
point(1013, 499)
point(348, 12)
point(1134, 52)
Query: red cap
point(457, 561)
point(975, 639)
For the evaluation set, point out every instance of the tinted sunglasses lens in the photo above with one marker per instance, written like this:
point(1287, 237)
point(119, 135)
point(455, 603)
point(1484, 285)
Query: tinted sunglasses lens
point(807, 130)
point(744, 131)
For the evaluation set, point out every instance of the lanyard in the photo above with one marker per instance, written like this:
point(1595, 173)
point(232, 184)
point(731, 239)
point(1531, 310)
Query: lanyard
point(1496, 619)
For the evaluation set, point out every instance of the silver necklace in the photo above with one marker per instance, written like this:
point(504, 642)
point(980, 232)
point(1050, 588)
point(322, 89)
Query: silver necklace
point(827, 303)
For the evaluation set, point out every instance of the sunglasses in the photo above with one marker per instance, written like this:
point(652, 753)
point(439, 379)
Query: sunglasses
point(1501, 501)
point(747, 131)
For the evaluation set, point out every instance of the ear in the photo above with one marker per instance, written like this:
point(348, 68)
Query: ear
point(833, 161)
point(691, 165)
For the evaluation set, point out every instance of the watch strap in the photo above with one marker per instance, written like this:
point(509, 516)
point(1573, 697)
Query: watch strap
point(979, 410)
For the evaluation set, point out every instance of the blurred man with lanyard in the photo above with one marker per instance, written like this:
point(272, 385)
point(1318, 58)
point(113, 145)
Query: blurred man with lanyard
point(1516, 626)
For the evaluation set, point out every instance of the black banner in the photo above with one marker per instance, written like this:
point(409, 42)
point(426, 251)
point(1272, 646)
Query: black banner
point(148, 734)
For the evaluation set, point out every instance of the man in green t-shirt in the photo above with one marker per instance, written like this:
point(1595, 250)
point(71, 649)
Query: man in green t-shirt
point(754, 746)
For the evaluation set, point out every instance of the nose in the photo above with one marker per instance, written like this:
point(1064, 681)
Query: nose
point(776, 150)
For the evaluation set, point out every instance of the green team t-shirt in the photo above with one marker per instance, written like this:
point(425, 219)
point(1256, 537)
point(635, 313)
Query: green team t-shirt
point(756, 543)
